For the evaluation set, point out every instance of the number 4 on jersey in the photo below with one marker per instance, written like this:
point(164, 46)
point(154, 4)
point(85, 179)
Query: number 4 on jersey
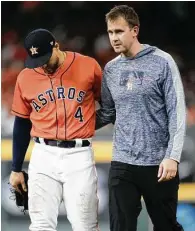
point(78, 114)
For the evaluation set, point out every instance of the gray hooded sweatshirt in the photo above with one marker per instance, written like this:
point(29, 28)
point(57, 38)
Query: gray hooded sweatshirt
point(145, 97)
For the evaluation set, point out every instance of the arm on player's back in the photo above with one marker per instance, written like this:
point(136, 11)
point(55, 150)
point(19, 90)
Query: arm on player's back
point(97, 81)
point(106, 114)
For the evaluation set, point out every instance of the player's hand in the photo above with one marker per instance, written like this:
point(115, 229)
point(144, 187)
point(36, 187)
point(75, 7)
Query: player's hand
point(16, 179)
point(167, 170)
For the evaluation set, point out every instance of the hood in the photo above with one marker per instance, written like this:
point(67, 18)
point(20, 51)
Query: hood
point(146, 50)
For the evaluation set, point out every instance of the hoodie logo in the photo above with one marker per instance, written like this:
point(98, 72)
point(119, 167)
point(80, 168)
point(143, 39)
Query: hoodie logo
point(129, 85)
point(129, 78)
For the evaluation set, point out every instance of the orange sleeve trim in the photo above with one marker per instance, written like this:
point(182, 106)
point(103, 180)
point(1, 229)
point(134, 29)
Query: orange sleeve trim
point(19, 114)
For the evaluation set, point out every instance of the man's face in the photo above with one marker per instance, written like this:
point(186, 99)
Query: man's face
point(121, 35)
point(51, 66)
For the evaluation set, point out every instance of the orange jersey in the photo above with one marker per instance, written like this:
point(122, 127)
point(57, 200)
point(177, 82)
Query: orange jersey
point(62, 105)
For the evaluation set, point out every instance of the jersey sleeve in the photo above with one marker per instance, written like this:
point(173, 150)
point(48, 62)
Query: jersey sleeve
point(20, 107)
point(97, 81)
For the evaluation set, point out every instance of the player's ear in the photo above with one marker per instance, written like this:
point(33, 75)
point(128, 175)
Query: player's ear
point(56, 45)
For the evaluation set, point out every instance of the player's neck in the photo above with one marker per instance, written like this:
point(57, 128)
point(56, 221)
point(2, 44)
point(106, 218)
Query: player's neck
point(134, 50)
point(62, 56)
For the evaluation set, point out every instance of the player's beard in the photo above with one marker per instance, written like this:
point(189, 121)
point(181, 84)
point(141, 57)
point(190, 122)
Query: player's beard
point(51, 68)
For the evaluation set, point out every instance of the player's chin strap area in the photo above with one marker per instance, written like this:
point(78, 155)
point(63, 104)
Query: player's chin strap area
point(64, 143)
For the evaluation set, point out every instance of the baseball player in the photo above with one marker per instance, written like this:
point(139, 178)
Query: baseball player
point(54, 102)
point(143, 87)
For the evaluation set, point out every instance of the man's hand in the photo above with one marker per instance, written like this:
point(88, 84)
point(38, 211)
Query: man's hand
point(167, 170)
point(16, 179)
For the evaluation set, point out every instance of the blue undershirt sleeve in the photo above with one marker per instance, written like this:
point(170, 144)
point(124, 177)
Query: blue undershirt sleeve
point(21, 140)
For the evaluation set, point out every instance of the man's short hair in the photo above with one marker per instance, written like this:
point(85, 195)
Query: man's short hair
point(127, 12)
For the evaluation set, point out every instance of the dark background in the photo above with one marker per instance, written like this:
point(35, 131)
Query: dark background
point(80, 26)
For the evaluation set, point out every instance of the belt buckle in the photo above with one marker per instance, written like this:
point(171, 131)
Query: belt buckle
point(59, 142)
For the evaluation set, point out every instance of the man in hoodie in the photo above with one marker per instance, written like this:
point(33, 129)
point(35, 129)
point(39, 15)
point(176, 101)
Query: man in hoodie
point(142, 91)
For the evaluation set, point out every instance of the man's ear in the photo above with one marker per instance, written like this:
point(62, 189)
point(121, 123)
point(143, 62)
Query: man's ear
point(135, 31)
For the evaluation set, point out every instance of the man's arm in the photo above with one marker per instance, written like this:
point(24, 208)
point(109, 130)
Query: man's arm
point(106, 114)
point(21, 139)
point(176, 111)
point(21, 132)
